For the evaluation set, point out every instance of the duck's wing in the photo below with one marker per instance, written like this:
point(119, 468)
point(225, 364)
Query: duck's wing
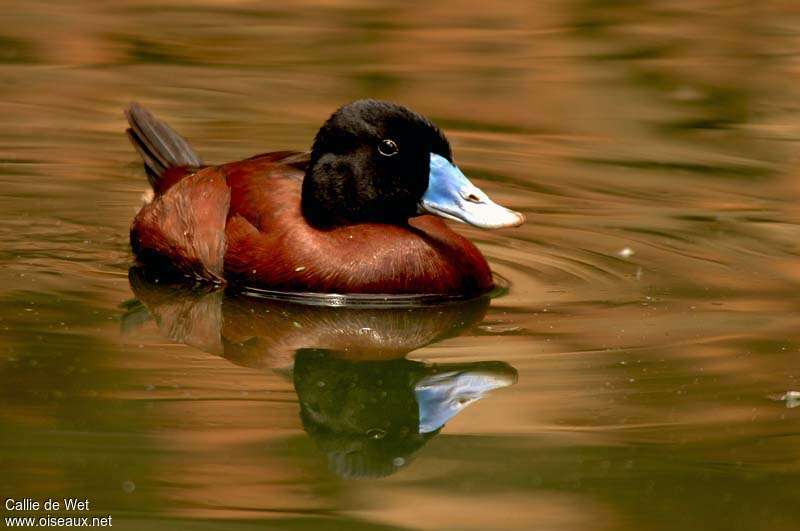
point(264, 217)
point(183, 229)
point(266, 189)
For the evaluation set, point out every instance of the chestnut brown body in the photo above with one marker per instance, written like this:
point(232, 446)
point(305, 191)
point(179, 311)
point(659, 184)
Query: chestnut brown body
point(241, 222)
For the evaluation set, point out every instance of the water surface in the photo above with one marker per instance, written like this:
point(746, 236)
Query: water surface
point(629, 378)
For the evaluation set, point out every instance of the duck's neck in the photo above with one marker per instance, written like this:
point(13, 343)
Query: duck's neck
point(323, 204)
point(332, 198)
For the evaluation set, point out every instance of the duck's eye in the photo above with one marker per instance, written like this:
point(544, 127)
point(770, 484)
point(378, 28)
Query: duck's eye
point(388, 148)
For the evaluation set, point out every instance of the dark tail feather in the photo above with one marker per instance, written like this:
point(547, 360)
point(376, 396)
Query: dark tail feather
point(160, 147)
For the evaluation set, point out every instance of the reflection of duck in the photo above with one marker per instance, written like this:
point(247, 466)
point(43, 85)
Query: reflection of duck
point(344, 218)
point(266, 333)
point(370, 417)
point(367, 407)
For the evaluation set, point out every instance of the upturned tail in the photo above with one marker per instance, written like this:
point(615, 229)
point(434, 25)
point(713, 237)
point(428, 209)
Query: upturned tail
point(160, 147)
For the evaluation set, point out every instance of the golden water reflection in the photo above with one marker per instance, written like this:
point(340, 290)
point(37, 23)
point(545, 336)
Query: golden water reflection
point(652, 313)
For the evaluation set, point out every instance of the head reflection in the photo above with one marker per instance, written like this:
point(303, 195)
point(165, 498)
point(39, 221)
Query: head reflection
point(370, 417)
point(366, 406)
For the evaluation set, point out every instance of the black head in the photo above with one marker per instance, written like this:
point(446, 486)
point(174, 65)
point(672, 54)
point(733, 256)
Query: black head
point(370, 163)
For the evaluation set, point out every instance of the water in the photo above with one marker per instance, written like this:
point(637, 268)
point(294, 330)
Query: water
point(636, 374)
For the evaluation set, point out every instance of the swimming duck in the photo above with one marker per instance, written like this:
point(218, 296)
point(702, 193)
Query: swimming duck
point(363, 212)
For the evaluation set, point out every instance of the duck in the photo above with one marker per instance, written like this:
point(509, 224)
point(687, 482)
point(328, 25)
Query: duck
point(364, 211)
